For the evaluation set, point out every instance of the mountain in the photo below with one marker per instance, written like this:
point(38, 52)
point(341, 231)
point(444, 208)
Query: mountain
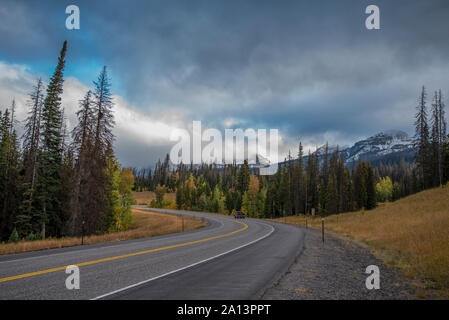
point(387, 147)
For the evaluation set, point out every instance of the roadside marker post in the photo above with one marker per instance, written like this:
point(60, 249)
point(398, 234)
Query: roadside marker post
point(322, 229)
point(82, 234)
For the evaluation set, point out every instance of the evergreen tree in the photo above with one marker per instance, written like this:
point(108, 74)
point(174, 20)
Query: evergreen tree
point(52, 218)
point(101, 185)
point(438, 136)
point(9, 173)
point(370, 189)
point(82, 135)
point(28, 218)
point(422, 142)
point(243, 178)
point(103, 114)
point(332, 195)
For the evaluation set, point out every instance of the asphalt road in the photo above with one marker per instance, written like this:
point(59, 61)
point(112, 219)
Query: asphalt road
point(228, 259)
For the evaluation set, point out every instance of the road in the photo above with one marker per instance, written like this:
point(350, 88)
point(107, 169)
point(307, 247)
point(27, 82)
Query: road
point(228, 259)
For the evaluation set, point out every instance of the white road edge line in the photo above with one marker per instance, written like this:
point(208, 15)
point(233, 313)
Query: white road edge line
point(186, 267)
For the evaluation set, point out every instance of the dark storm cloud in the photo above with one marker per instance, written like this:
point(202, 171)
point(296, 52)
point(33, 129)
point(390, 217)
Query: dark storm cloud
point(304, 67)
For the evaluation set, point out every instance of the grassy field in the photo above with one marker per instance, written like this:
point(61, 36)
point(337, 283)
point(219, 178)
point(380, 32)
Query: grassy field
point(147, 196)
point(145, 224)
point(411, 234)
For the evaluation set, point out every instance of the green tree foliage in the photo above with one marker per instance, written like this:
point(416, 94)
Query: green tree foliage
point(9, 173)
point(422, 143)
point(243, 178)
point(384, 190)
point(14, 238)
point(160, 192)
point(52, 217)
point(54, 186)
point(28, 218)
point(251, 199)
point(122, 212)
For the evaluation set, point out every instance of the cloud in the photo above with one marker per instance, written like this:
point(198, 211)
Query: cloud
point(137, 134)
point(309, 69)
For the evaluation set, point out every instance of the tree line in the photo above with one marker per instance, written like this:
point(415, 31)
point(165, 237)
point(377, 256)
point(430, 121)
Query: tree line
point(55, 183)
point(300, 186)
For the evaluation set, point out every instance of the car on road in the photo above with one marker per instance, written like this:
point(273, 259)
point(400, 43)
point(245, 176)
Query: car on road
point(239, 215)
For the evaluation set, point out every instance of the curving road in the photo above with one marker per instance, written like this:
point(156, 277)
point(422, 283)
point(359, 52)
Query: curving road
point(228, 259)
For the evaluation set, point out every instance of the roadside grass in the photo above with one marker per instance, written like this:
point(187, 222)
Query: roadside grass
point(145, 224)
point(147, 196)
point(411, 234)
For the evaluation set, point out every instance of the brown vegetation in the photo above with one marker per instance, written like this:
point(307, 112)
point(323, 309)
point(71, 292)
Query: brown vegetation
point(147, 196)
point(411, 234)
point(145, 224)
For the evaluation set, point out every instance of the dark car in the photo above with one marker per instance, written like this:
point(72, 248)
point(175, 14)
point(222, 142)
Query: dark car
point(239, 215)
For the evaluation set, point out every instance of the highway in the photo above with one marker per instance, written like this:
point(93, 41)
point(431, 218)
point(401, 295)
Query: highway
point(227, 259)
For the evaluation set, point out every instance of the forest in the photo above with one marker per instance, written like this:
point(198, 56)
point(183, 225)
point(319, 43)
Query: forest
point(303, 187)
point(55, 183)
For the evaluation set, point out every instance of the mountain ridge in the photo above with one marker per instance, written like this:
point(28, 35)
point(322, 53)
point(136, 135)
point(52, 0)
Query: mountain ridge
point(387, 147)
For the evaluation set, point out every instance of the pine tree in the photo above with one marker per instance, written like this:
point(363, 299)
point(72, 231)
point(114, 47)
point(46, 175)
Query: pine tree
point(445, 160)
point(422, 141)
point(323, 198)
point(52, 215)
point(298, 183)
point(103, 113)
point(348, 203)
point(332, 195)
point(31, 135)
point(359, 177)
point(9, 173)
point(435, 143)
point(312, 176)
point(82, 136)
point(438, 137)
point(98, 215)
point(243, 178)
point(29, 209)
point(370, 189)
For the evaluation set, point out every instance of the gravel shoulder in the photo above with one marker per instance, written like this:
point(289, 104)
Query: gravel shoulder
point(335, 269)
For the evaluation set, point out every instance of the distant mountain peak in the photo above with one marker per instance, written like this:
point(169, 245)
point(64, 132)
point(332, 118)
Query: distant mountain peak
point(386, 146)
point(398, 134)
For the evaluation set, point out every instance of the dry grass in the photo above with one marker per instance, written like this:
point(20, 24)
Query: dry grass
point(411, 234)
point(145, 224)
point(147, 196)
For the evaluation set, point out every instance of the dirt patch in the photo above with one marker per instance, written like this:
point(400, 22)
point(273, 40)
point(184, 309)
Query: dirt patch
point(334, 270)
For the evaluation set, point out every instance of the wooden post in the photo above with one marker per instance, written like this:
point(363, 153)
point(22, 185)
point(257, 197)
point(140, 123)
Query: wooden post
point(322, 229)
point(82, 233)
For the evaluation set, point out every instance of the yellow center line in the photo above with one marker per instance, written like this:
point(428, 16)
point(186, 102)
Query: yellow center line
point(26, 275)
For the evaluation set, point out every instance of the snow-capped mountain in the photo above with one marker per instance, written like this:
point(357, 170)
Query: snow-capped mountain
point(381, 145)
point(387, 147)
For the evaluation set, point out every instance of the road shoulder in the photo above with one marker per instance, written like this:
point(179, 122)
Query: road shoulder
point(336, 270)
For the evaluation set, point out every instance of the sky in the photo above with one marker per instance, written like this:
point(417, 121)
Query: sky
point(310, 69)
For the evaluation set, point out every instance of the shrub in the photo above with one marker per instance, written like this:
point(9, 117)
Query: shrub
point(14, 237)
point(33, 237)
point(384, 190)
